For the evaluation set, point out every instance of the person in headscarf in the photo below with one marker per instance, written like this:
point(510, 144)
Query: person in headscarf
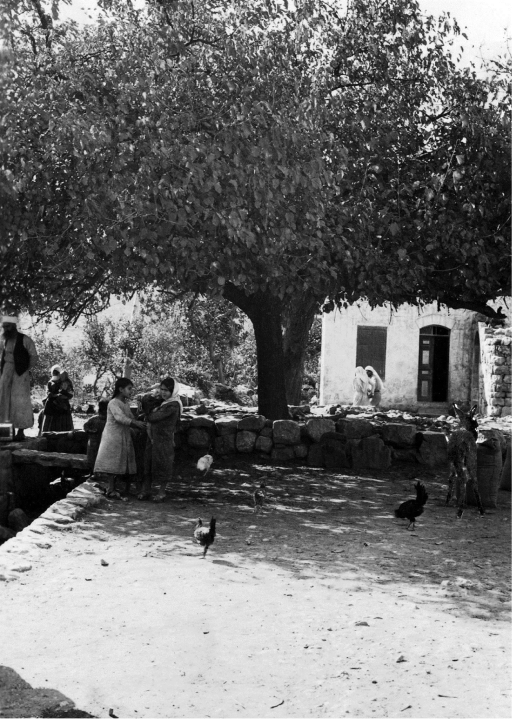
point(18, 356)
point(375, 386)
point(360, 384)
point(159, 453)
point(57, 415)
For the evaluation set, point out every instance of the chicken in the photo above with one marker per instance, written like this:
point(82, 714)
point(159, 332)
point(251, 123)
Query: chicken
point(205, 537)
point(259, 496)
point(412, 508)
point(204, 463)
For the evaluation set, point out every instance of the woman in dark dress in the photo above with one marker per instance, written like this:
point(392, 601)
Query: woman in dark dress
point(57, 409)
point(159, 454)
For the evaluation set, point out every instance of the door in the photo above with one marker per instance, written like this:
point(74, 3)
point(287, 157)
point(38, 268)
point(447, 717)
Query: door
point(433, 364)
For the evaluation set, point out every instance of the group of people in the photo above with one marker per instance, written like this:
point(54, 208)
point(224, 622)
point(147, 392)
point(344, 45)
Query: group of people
point(368, 387)
point(120, 437)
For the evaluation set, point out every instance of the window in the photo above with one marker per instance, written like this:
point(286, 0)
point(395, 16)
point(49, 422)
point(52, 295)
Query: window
point(371, 349)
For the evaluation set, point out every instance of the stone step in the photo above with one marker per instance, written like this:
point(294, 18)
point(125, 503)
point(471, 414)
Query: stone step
point(51, 459)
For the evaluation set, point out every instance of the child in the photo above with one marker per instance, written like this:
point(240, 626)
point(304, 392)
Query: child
point(94, 428)
point(159, 454)
point(375, 386)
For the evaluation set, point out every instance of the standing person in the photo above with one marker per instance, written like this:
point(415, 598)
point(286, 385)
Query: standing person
point(57, 415)
point(116, 456)
point(18, 356)
point(360, 384)
point(375, 386)
point(159, 454)
point(94, 428)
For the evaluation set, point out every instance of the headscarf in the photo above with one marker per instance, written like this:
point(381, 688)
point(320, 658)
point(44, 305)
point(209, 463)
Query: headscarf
point(379, 385)
point(55, 369)
point(360, 380)
point(9, 320)
point(175, 396)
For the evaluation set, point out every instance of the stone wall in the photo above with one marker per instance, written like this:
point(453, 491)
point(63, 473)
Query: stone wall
point(495, 346)
point(332, 442)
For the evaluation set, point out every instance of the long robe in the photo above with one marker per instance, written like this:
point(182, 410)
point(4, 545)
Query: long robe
point(159, 455)
point(116, 454)
point(15, 401)
point(62, 422)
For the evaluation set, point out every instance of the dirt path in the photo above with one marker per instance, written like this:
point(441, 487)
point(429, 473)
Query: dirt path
point(324, 605)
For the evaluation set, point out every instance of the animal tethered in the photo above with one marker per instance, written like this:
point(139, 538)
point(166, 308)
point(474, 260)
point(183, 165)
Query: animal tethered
point(205, 536)
point(204, 464)
point(462, 459)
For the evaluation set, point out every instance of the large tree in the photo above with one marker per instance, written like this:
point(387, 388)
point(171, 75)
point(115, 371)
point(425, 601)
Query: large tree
point(275, 157)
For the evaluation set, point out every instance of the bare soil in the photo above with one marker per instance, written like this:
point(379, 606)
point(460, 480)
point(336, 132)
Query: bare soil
point(322, 604)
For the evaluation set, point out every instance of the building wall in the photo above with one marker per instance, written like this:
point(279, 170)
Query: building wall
point(339, 344)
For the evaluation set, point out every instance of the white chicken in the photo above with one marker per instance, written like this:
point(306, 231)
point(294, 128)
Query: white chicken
point(204, 463)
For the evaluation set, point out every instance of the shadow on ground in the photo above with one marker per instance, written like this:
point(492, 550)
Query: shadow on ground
point(319, 522)
point(19, 699)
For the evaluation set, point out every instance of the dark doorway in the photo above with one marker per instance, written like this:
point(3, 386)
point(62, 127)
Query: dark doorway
point(434, 364)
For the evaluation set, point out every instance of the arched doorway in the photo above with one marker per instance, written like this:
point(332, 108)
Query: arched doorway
point(433, 364)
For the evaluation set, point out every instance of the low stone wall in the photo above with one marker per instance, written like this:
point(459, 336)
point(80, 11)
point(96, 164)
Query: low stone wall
point(336, 442)
point(496, 355)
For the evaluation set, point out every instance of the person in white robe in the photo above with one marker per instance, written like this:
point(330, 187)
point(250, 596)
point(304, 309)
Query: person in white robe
point(18, 355)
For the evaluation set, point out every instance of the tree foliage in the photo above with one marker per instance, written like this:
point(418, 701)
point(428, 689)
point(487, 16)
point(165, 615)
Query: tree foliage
point(274, 155)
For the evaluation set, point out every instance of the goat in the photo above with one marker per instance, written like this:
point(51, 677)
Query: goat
point(462, 459)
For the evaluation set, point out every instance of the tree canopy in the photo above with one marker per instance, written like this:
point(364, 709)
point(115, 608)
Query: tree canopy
point(274, 155)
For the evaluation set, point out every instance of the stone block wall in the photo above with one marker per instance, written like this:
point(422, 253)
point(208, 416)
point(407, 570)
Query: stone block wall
point(496, 369)
point(331, 442)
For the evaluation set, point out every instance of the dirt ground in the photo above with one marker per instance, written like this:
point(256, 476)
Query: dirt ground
point(321, 605)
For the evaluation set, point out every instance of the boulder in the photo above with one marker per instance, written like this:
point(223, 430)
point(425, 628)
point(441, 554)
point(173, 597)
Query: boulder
point(198, 438)
point(263, 444)
point(301, 451)
point(266, 431)
point(5, 472)
point(225, 444)
point(59, 460)
point(400, 436)
point(285, 431)
point(282, 453)
point(226, 425)
point(5, 534)
point(206, 422)
point(245, 441)
point(334, 452)
point(432, 449)
point(253, 423)
point(355, 428)
point(370, 453)
point(316, 456)
point(318, 426)
point(17, 520)
point(5, 507)
point(404, 455)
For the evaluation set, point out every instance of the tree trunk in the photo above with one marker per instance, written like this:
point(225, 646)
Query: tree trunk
point(297, 322)
point(264, 311)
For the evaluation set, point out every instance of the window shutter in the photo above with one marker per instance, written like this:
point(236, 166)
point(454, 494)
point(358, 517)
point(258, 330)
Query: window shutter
point(371, 348)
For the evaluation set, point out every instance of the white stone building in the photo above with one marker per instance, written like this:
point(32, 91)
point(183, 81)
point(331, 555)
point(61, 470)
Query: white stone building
point(427, 357)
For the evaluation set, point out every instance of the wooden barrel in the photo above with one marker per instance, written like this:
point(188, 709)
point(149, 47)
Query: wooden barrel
point(489, 465)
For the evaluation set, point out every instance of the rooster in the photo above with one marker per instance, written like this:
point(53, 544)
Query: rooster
point(259, 496)
point(205, 537)
point(204, 463)
point(412, 508)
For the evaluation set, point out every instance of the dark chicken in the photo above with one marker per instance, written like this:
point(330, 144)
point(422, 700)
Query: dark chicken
point(203, 536)
point(412, 508)
point(259, 496)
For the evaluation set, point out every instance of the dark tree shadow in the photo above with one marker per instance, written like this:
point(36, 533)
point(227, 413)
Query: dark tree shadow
point(19, 699)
